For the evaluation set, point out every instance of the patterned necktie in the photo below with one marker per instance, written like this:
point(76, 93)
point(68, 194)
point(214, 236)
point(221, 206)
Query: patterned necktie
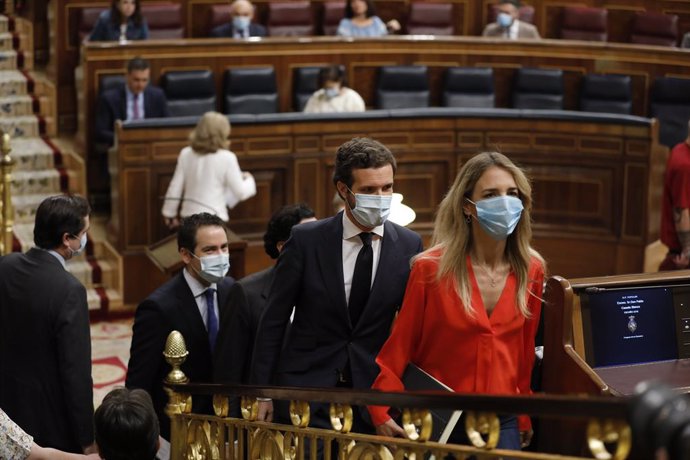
point(135, 107)
point(212, 325)
point(361, 279)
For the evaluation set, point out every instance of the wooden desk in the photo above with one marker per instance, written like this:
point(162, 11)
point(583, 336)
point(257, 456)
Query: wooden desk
point(596, 181)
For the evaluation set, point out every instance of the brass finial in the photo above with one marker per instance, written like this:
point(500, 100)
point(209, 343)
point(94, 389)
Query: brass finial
point(175, 354)
point(6, 148)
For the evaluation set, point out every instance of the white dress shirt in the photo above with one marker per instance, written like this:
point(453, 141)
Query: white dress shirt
point(352, 243)
point(206, 183)
point(198, 291)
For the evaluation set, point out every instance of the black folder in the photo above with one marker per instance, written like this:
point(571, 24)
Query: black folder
point(444, 420)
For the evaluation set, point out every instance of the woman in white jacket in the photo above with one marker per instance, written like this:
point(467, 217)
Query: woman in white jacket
point(207, 177)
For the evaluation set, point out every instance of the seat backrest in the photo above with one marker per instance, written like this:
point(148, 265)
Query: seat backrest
point(164, 20)
point(538, 89)
point(250, 90)
point(650, 28)
point(606, 93)
point(290, 19)
point(87, 20)
point(469, 87)
point(219, 14)
point(189, 92)
point(430, 19)
point(581, 23)
point(670, 104)
point(305, 80)
point(333, 12)
point(401, 87)
point(109, 81)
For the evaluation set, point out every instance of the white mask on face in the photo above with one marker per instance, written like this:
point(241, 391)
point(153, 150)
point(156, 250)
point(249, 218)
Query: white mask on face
point(371, 210)
point(214, 267)
point(82, 245)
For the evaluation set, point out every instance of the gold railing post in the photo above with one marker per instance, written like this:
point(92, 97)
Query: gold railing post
point(6, 208)
point(178, 403)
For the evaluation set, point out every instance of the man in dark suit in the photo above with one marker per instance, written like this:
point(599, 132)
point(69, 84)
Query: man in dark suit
point(188, 303)
point(241, 25)
point(239, 320)
point(346, 276)
point(136, 100)
point(45, 341)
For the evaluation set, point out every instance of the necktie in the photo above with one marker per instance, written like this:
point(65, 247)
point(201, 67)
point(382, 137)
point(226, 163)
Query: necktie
point(212, 323)
point(361, 279)
point(135, 107)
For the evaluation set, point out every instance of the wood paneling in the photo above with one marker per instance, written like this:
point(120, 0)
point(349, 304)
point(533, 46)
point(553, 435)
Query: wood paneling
point(589, 210)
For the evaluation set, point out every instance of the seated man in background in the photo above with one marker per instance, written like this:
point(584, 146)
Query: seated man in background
point(126, 426)
point(241, 26)
point(334, 95)
point(247, 299)
point(508, 25)
point(675, 208)
point(136, 100)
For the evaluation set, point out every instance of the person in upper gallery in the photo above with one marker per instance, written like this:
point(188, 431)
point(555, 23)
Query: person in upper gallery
point(675, 208)
point(123, 21)
point(45, 339)
point(345, 277)
point(207, 175)
point(188, 303)
point(473, 299)
point(247, 300)
point(242, 25)
point(361, 21)
point(135, 100)
point(126, 426)
point(508, 24)
point(16, 444)
point(334, 95)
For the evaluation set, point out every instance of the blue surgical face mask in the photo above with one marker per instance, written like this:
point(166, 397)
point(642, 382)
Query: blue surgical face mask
point(331, 92)
point(241, 22)
point(371, 210)
point(504, 20)
point(82, 245)
point(498, 216)
point(214, 267)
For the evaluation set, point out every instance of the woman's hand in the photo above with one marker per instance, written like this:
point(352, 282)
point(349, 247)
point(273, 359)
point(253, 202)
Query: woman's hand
point(393, 26)
point(390, 429)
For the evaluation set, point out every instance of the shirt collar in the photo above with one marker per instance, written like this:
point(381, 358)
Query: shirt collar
point(350, 230)
point(195, 285)
point(57, 255)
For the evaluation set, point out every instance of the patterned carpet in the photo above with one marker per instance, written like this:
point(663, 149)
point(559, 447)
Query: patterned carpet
point(110, 341)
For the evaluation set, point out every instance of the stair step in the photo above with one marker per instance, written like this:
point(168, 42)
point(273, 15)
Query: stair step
point(114, 299)
point(4, 24)
point(12, 82)
point(16, 106)
point(31, 154)
point(44, 181)
point(8, 60)
point(26, 126)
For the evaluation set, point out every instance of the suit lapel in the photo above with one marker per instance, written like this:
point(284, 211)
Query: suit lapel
point(123, 103)
point(187, 308)
point(330, 260)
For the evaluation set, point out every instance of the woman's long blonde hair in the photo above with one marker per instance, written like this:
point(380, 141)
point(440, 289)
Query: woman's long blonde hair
point(453, 234)
point(211, 133)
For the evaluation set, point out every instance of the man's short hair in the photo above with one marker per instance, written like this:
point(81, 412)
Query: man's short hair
point(126, 426)
point(360, 153)
point(186, 235)
point(57, 215)
point(281, 224)
point(137, 63)
point(515, 3)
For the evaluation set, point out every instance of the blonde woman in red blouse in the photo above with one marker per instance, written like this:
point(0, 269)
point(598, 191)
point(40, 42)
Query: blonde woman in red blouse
point(473, 300)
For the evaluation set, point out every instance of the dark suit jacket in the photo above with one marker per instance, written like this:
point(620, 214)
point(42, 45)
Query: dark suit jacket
point(309, 275)
point(106, 30)
point(171, 307)
point(45, 351)
point(226, 30)
point(112, 105)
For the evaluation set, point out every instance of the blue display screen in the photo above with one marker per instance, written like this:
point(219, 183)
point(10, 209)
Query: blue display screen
point(631, 326)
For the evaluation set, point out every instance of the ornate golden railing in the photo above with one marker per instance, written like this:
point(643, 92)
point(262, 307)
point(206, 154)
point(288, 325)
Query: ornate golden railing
point(221, 437)
point(6, 208)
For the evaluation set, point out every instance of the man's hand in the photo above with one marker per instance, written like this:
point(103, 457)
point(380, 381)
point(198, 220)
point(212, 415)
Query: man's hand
point(390, 429)
point(681, 261)
point(265, 411)
point(526, 438)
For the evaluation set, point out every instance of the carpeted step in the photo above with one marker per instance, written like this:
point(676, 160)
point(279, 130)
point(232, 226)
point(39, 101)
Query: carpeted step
point(8, 60)
point(101, 298)
point(26, 126)
point(4, 24)
point(43, 181)
point(12, 83)
point(16, 106)
point(32, 154)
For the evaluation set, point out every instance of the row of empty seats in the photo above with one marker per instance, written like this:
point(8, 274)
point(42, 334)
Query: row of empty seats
point(295, 19)
point(254, 91)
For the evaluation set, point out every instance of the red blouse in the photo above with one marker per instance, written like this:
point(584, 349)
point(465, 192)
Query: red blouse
point(481, 354)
